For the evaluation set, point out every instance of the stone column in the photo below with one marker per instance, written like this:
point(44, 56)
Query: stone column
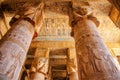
point(39, 66)
point(14, 45)
point(72, 65)
point(93, 58)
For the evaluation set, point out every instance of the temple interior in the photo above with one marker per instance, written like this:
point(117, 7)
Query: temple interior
point(64, 45)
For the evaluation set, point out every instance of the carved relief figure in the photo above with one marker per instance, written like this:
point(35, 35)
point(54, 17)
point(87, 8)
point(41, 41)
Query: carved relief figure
point(94, 60)
point(38, 67)
point(16, 61)
point(14, 46)
point(13, 68)
point(83, 11)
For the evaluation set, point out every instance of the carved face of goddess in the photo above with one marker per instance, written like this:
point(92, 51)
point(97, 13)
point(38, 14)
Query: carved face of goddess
point(40, 62)
point(83, 10)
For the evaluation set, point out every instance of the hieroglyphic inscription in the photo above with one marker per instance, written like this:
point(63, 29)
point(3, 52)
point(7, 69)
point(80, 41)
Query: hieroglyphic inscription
point(13, 50)
point(15, 44)
point(55, 27)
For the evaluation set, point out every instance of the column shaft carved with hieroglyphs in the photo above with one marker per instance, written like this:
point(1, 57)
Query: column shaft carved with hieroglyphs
point(14, 45)
point(93, 58)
